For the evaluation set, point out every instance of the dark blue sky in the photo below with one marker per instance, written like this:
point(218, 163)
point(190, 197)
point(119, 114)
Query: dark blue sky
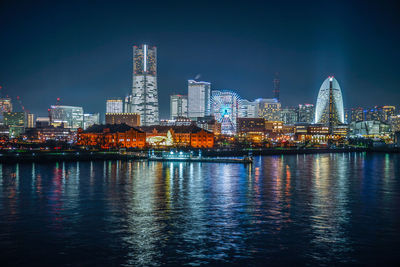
point(81, 51)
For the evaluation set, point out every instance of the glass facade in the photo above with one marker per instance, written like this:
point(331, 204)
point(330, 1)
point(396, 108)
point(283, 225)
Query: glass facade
point(69, 116)
point(179, 106)
point(114, 106)
point(199, 104)
point(144, 87)
point(329, 98)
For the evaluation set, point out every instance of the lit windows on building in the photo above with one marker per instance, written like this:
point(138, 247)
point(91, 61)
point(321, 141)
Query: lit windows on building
point(90, 119)
point(247, 109)
point(329, 108)
point(130, 119)
point(305, 113)
point(199, 104)
point(178, 106)
point(144, 100)
point(69, 116)
point(268, 108)
point(114, 106)
point(395, 123)
point(289, 115)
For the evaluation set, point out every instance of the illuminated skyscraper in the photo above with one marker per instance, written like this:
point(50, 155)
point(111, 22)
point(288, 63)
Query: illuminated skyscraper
point(144, 87)
point(114, 105)
point(198, 99)
point(329, 109)
point(179, 106)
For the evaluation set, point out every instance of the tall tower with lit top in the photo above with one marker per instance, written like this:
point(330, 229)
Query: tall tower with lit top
point(144, 84)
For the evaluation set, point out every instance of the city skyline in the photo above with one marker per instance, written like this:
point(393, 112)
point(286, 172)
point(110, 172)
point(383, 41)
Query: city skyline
point(60, 67)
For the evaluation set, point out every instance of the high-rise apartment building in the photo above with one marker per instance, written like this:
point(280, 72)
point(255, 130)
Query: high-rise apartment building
point(178, 106)
point(305, 113)
point(114, 105)
point(144, 87)
point(199, 104)
point(268, 108)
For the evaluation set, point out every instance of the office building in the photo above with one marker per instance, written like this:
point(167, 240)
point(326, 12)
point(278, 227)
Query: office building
point(369, 129)
point(14, 118)
point(130, 119)
point(178, 106)
point(114, 106)
point(305, 113)
point(90, 119)
point(68, 116)
point(329, 109)
point(247, 109)
point(144, 88)
point(16, 121)
point(30, 120)
point(199, 94)
point(254, 126)
point(289, 115)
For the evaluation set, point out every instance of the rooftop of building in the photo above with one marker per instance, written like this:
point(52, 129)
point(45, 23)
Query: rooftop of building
point(113, 128)
point(176, 129)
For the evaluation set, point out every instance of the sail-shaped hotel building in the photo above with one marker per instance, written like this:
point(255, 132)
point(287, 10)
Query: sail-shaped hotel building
point(329, 109)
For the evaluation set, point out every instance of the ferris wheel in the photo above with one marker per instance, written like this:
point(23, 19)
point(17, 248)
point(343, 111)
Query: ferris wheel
point(225, 108)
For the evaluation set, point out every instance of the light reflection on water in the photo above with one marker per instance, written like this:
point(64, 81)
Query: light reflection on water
point(315, 209)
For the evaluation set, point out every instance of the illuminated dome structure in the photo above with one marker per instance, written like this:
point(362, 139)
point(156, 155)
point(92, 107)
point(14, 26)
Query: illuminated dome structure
point(329, 108)
point(225, 108)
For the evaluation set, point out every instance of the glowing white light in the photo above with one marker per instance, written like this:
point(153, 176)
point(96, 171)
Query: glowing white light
point(145, 58)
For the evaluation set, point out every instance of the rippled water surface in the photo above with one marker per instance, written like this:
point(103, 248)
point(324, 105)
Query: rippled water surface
point(305, 209)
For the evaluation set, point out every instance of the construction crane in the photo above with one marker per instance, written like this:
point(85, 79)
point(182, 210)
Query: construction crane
point(22, 106)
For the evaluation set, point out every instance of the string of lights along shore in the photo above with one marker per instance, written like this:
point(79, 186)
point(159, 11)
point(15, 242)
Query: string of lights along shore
point(222, 112)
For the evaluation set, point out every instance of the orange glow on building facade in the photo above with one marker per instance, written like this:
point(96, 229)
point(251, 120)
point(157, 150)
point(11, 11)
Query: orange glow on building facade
point(124, 136)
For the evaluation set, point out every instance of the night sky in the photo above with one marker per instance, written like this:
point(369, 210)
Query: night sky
point(82, 51)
